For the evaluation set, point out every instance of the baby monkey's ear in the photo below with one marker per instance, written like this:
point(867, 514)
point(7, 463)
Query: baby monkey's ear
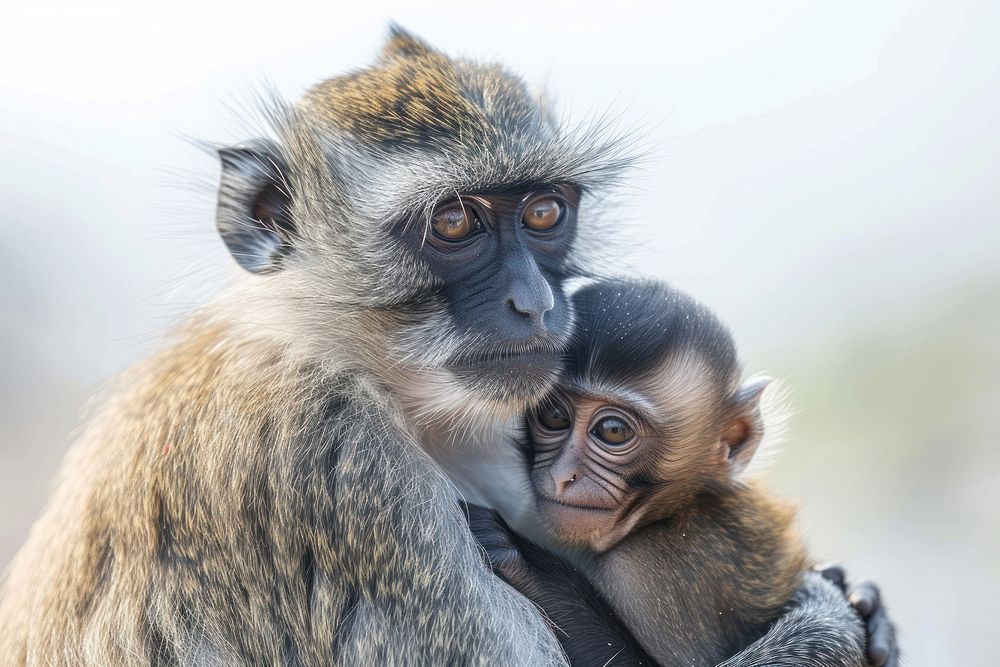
point(743, 427)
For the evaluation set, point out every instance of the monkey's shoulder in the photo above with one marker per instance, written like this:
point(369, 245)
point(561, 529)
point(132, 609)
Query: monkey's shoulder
point(744, 540)
point(757, 536)
point(722, 569)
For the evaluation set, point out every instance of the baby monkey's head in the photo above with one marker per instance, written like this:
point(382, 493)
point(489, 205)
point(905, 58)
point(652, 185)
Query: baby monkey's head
point(649, 415)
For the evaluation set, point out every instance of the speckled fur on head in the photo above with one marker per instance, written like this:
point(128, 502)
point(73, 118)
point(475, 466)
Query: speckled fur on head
point(415, 96)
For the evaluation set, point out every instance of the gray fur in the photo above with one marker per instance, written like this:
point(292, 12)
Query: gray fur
point(820, 631)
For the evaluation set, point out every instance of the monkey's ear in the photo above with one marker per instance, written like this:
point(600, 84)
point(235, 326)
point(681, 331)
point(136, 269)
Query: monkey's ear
point(402, 44)
point(744, 426)
point(253, 215)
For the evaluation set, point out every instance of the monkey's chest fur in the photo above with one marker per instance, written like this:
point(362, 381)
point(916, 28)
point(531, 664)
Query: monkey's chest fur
point(703, 584)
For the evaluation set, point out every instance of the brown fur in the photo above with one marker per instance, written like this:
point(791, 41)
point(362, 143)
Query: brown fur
point(415, 83)
point(196, 521)
point(149, 481)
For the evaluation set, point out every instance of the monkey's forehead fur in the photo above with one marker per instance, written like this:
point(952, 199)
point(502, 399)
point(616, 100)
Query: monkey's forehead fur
point(627, 328)
point(418, 126)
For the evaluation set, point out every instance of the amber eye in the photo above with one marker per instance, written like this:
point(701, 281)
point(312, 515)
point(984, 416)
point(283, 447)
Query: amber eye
point(553, 417)
point(454, 223)
point(613, 431)
point(543, 214)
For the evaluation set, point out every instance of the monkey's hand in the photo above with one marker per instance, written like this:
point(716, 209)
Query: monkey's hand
point(864, 596)
point(502, 554)
point(584, 623)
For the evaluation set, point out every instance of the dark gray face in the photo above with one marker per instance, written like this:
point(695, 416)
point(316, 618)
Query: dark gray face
point(500, 261)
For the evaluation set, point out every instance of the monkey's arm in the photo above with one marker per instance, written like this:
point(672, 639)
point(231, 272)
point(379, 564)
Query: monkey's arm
point(820, 629)
point(585, 624)
point(883, 649)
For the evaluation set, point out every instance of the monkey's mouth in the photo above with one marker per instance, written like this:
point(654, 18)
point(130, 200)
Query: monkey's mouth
point(543, 360)
point(537, 353)
point(580, 525)
point(514, 377)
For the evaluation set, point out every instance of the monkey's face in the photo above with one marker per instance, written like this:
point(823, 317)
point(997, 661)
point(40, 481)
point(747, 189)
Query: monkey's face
point(648, 414)
point(591, 463)
point(499, 261)
point(418, 217)
point(604, 462)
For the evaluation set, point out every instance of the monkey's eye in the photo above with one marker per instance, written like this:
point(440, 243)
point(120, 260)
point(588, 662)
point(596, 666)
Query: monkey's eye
point(454, 222)
point(543, 214)
point(553, 417)
point(613, 431)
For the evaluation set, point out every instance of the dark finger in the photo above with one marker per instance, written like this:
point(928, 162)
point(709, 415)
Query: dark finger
point(881, 638)
point(833, 573)
point(864, 597)
point(472, 510)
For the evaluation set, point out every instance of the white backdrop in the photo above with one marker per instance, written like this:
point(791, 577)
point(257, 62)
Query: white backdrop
point(824, 174)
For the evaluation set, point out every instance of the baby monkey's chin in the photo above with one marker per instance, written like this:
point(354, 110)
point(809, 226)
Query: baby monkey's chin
point(591, 528)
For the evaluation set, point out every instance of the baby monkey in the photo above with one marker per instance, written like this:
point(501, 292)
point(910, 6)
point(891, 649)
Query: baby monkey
point(635, 461)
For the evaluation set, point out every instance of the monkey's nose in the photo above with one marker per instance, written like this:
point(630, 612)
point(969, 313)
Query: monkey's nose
point(528, 292)
point(531, 310)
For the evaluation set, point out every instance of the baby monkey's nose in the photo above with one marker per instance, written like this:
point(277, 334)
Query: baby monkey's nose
point(563, 481)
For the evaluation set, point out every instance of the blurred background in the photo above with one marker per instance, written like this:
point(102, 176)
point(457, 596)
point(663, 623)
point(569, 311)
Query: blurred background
point(826, 175)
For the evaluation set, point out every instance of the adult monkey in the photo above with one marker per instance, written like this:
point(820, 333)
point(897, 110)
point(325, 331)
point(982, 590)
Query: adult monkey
point(255, 493)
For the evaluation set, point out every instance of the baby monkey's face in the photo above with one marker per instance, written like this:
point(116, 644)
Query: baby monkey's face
point(589, 458)
point(603, 463)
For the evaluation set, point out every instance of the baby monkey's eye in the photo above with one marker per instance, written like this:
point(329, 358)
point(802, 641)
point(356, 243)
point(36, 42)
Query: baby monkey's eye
point(553, 417)
point(613, 431)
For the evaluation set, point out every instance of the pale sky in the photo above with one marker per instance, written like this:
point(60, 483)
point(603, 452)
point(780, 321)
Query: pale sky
point(817, 171)
point(811, 163)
